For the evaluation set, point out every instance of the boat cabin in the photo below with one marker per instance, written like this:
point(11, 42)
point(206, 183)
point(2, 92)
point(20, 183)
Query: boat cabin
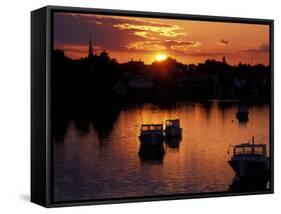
point(151, 127)
point(174, 123)
point(249, 149)
point(152, 134)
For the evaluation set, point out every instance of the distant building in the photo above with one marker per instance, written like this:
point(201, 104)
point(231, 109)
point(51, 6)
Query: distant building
point(138, 82)
point(239, 83)
point(138, 64)
point(120, 88)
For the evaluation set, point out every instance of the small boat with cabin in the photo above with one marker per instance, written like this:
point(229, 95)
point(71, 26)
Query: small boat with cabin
point(173, 128)
point(249, 160)
point(151, 134)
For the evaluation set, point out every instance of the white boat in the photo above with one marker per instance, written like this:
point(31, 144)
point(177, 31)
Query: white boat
point(151, 134)
point(249, 159)
point(173, 128)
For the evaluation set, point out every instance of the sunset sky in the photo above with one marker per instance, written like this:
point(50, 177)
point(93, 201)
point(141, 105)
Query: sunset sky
point(126, 38)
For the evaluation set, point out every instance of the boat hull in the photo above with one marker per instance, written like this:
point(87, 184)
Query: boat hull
point(247, 168)
point(174, 142)
point(173, 131)
point(152, 139)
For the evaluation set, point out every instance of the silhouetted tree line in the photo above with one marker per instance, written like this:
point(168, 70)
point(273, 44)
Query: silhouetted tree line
point(102, 80)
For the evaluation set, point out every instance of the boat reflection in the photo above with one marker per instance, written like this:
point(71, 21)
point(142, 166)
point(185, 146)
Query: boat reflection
point(242, 114)
point(151, 153)
point(260, 183)
point(174, 142)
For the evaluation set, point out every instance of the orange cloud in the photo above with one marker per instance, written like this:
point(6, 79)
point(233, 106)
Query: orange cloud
point(160, 45)
point(185, 47)
point(147, 46)
point(143, 30)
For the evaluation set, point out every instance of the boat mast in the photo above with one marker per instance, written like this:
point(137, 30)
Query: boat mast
point(253, 143)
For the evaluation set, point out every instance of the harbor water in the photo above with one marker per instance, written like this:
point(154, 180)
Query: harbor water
point(102, 161)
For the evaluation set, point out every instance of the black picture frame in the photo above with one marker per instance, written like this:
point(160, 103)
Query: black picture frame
point(41, 147)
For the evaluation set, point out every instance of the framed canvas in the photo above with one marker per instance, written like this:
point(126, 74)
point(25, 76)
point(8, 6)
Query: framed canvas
point(140, 106)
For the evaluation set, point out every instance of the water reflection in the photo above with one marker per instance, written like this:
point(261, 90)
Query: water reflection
point(207, 105)
point(82, 127)
point(59, 128)
point(102, 118)
point(174, 142)
point(251, 184)
point(102, 157)
point(153, 154)
point(243, 123)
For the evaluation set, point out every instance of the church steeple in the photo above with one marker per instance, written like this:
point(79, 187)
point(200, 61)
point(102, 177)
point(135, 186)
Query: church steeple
point(90, 52)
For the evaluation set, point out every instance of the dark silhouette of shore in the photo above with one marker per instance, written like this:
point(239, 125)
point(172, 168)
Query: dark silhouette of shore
point(102, 78)
point(97, 87)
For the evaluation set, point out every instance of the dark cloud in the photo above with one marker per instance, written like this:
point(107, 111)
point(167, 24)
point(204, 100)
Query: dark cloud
point(75, 30)
point(109, 32)
point(263, 48)
point(222, 42)
point(206, 54)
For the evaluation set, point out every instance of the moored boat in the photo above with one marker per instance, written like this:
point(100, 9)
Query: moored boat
point(172, 128)
point(249, 159)
point(151, 134)
point(242, 114)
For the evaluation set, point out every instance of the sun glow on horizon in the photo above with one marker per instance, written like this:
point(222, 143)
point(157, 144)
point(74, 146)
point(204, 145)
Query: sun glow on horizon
point(160, 57)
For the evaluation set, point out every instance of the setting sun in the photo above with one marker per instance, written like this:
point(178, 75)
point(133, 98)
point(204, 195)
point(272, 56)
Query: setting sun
point(160, 57)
